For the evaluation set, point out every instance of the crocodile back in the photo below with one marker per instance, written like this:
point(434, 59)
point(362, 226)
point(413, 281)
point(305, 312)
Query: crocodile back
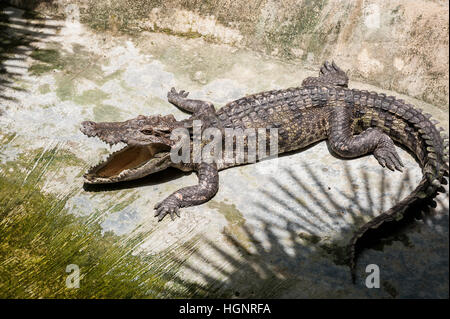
point(300, 115)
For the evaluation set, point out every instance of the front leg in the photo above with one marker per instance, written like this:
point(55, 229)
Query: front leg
point(373, 140)
point(208, 184)
point(192, 106)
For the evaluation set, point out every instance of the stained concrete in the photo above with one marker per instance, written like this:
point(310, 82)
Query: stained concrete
point(275, 229)
point(395, 45)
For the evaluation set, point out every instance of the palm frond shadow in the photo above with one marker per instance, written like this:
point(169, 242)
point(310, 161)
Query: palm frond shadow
point(17, 38)
point(264, 271)
point(305, 248)
point(360, 207)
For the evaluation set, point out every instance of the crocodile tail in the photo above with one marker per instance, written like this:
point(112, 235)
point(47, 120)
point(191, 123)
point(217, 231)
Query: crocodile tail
point(430, 146)
point(393, 215)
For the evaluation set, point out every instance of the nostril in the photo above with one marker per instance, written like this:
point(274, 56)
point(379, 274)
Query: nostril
point(87, 126)
point(87, 123)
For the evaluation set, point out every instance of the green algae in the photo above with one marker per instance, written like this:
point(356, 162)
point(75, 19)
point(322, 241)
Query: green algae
point(40, 68)
point(116, 15)
point(50, 56)
point(105, 78)
point(234, 218)
point(337, 252)
point(40, 239)
point(44, 88)
point(189, 34)
point(65, 87)
point(55, 155)
point(153, 101)
point(106, 113)
point(303, 21)
point(82, 63)
point(47, 60)
point(229, 211)
point(71, 66)
point(94, 96)
point(122, 204)
point(212, 62)
point(126, 17)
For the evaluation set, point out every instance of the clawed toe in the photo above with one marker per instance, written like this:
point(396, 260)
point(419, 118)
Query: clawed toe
point(388, 157)
point(173, 94)
point(169, 206)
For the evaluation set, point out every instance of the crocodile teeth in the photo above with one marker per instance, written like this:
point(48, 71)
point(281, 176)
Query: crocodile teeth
point(99, 164)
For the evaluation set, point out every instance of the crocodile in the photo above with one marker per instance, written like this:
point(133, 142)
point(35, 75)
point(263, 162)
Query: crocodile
point(354, 122)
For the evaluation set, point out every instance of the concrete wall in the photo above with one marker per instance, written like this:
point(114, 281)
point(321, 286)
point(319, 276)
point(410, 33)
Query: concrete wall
point(397, 45)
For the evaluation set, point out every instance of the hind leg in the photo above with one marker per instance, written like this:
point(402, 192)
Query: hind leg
point(373, 140)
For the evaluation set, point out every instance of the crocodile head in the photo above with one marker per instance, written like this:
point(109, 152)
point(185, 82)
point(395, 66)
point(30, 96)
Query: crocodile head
point(147, 149)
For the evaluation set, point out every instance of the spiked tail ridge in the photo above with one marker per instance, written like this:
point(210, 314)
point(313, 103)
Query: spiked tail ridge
point(393, 215)
point(430, 145)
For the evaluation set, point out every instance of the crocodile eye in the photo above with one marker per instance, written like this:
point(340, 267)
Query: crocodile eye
point(154, 132)
point(164, 130)
point(159, 132)
point(147, 132)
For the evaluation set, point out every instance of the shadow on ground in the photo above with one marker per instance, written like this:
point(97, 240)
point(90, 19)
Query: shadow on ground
point(17, 36)
point(412, 254)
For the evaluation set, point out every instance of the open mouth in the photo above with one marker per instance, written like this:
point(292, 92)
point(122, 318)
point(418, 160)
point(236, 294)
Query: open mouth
point(131, 162)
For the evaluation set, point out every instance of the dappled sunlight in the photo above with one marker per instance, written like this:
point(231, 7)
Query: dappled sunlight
point(303, 254)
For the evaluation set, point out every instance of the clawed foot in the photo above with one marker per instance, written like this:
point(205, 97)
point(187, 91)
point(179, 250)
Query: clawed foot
point(170, 205)
point(173, 96)
point(387, 156)
point(330, 68)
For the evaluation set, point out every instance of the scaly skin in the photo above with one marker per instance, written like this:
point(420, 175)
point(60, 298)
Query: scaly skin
point(354, 122)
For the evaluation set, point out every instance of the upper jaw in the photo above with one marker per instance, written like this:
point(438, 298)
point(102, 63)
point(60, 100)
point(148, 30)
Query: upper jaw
point(110, 135)
point(143, 154)
point(116, 132)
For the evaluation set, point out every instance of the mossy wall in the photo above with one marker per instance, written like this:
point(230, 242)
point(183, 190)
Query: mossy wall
point(397, 45)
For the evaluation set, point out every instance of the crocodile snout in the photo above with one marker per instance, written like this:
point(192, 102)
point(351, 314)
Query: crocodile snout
point(88, 128)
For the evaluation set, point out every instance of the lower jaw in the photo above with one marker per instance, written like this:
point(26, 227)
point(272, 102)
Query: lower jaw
point(90, 179)
point(97, 180)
